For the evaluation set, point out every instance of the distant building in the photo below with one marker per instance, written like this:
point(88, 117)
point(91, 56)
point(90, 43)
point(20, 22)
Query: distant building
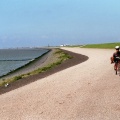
point(63, 45)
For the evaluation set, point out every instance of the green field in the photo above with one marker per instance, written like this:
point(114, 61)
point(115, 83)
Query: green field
point(104, 45)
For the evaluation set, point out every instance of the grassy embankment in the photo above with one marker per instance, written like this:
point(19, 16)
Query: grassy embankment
point(102, 46)
point(58, 54)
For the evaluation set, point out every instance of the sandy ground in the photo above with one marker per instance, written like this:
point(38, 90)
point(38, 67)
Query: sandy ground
point(87, 91)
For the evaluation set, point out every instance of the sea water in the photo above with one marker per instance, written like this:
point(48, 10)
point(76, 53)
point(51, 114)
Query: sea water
point(11, 59)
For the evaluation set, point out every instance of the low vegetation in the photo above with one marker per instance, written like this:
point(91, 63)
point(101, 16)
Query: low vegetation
point(105, 45)
point(59, 54)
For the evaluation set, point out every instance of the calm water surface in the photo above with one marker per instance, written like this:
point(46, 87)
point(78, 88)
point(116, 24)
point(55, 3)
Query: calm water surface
point(11, 59)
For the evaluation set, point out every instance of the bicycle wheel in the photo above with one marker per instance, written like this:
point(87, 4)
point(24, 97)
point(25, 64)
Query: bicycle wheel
point(119, 69)
point(116, 68)
point(116, 71)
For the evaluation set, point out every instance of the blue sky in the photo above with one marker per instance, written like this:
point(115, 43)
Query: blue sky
point(53, 22)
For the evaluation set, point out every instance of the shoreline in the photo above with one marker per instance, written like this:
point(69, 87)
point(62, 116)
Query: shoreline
point(77, 59)
point(31, 66)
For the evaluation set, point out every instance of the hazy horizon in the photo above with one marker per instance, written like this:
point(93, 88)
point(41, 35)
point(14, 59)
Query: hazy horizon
point(33, 23)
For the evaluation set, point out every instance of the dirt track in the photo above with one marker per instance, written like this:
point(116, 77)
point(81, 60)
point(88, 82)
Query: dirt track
point(87, 91)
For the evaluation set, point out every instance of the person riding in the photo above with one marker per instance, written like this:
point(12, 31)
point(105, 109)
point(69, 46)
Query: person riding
point(115, 54)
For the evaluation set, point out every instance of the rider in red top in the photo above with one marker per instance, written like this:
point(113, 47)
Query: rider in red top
point(116, 54)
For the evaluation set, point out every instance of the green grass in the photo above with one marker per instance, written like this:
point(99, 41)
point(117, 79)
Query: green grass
point(104, 45)
point(59, 54)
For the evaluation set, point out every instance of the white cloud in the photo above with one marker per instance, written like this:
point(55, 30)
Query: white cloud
point(44, 37)
point(6, 38)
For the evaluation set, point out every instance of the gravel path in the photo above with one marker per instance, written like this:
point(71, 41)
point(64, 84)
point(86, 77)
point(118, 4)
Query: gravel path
point(86, 91)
